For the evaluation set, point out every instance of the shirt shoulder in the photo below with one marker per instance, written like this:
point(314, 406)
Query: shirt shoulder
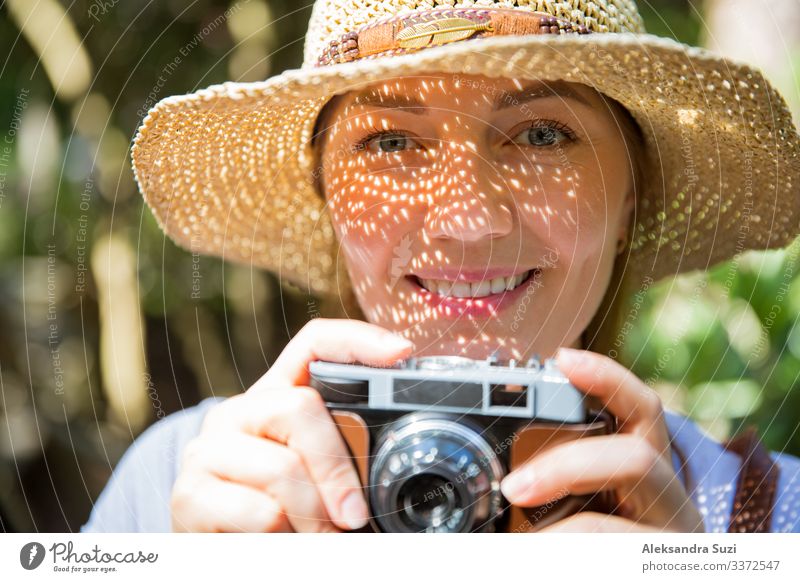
point(137, 496)
point(710, 474)
point(786, 512)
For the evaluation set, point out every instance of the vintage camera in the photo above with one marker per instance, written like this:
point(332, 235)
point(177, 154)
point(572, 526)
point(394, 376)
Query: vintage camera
point(432, 437)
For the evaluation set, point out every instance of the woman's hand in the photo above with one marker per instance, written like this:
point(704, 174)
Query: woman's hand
point(272, 459)
point(636, 462)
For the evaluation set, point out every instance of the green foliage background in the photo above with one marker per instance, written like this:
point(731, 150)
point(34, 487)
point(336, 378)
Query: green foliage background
point(722, 347)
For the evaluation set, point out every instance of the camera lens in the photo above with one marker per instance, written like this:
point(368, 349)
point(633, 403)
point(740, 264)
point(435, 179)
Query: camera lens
point(428, 501)
point(434, 472)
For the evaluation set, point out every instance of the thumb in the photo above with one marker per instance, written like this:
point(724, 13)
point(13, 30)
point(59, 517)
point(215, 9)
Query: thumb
point(335, 340)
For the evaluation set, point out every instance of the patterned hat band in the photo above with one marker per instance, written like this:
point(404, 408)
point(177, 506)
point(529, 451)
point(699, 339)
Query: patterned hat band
point(426, 28)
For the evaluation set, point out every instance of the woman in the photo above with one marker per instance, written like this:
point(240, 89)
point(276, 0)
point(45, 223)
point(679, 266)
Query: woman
point(499, 178)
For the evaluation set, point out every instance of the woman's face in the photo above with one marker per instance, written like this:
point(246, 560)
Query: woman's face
point(478, 215)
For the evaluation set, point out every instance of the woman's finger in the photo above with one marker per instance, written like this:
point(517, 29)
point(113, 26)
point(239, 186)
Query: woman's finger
point(202, 503)
point(646, 485)
point(635, 405)
point(333, 340)
point(586, 466)
point(267, 466)
point(297, 418)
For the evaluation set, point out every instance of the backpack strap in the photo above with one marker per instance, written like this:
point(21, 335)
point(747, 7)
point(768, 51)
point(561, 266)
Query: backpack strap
point(756, 487)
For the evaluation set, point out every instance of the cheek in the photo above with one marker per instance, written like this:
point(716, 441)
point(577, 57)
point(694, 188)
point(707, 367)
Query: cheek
point(577, 217)
point(372, 227)
point(361, 204)
point(578, 214)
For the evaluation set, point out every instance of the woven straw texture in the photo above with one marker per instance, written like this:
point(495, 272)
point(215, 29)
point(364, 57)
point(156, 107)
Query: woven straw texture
point(229, 170)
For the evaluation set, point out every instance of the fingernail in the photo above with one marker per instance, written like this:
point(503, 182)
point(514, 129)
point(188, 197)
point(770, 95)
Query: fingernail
point(397, 342)
point(516, 483)
point(568, 356)
point(353, 510)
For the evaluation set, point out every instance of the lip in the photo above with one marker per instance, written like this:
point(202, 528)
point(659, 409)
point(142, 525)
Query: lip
point(454, 307)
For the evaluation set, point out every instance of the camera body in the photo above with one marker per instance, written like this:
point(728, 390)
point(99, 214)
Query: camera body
point(432, 437)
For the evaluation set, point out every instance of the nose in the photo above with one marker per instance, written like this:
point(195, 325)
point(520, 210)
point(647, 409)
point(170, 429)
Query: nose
point(469, 206)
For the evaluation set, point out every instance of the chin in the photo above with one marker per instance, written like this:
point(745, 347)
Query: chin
point(475, 349)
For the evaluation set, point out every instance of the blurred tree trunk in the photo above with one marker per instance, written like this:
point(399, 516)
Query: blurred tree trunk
point(765, 33)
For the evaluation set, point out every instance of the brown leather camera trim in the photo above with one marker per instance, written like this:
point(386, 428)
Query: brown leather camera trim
point(538, 438)
point(356, 434)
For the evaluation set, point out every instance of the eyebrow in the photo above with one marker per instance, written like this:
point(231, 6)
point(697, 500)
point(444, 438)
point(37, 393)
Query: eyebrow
point(375, 98)
point(537, 91)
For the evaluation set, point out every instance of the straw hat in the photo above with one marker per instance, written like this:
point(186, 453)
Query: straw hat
point(229, 170)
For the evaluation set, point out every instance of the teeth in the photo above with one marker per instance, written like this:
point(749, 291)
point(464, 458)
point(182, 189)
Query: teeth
point(460, 290)
point(479, 289)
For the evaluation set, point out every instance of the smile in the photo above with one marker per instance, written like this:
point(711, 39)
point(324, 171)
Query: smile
point(475, 289)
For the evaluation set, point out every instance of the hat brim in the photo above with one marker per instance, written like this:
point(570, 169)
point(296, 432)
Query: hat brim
point(229, 170)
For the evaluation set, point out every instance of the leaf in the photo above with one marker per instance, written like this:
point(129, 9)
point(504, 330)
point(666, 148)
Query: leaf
point(438, 32)
point(724, 399)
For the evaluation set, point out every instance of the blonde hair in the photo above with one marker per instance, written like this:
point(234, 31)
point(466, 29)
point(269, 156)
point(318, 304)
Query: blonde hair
point(603, 334)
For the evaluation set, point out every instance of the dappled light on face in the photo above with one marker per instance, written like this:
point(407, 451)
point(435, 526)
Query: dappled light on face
point(459, 222)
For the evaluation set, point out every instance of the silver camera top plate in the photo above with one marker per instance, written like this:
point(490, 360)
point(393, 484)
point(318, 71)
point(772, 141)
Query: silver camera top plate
point(462, 385)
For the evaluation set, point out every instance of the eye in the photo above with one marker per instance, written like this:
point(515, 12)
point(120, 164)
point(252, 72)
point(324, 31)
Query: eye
point(544, 134)
point(385, 142)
